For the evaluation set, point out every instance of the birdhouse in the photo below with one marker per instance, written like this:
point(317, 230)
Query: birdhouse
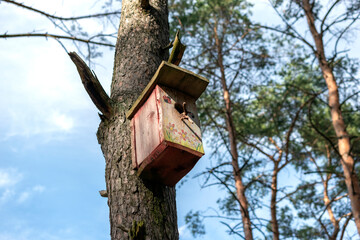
point(165, 127)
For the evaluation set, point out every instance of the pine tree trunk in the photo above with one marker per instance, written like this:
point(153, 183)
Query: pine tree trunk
point(239, 185)
point(273, 209)
point(344, 145)
point(133, 202)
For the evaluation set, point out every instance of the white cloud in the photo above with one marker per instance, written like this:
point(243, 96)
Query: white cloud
point(23, 197)
point(61, 121)
point(26, 195)
point(40, 90)
point(39, 188)
point(9, 177)
point(184, 232)
point(6, 195)
point(182, 229)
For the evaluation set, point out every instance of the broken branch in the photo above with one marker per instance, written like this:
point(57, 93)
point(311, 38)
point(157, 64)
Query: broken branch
point(92, 86)
point(103, 193)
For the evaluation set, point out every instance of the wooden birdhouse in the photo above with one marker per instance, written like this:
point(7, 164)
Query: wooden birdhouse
point(166, 137)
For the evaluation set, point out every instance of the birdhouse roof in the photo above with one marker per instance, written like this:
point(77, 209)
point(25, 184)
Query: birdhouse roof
point(175, 77)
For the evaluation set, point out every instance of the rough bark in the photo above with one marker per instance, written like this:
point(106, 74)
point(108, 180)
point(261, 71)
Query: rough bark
point(344, 145)
point(240, 189)
point(135, 203)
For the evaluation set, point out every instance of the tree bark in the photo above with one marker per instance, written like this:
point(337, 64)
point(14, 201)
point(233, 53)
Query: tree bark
point(344, 145)
point(274, 221)
point(327, 203)
point(327, 200)
point(136, 206)
point(240, 189)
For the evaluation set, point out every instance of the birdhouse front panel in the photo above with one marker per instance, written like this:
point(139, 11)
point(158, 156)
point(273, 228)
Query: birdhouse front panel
point(180, 122)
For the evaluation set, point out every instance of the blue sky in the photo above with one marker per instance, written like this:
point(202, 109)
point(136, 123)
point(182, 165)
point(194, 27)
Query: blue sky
point(51, 166)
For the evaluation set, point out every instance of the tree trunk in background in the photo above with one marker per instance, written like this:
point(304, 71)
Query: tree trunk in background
point(141, 36)
point(344, 146)
point(239, 185)
point(273, 210)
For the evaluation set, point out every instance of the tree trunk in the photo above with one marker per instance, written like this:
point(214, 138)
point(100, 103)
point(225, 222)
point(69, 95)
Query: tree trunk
point(240, 189)
point(327, 200)
point(344, 146)
point(274, 222)
point(136, 206)
point(327, 203)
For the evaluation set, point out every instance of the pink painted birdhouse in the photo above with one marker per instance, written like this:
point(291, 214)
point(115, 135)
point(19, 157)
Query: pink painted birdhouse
point(165, 128)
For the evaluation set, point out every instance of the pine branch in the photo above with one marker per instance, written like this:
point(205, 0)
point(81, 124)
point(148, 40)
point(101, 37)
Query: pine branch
point(318, 131)
point(345, 225)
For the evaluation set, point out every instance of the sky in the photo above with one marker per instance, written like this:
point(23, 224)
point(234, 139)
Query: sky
point(51, 166)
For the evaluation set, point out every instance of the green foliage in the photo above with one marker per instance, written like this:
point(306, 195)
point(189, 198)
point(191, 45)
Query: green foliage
point(200, 20)
point(195, 223)
point(286, 221)
point(229, 205)
point(309, 232)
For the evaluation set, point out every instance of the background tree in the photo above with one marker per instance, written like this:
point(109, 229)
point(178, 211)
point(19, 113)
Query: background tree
point(328, 29)
point(226, 51)
point(319, 185)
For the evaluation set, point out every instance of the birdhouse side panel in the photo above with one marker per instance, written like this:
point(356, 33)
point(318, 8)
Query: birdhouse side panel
point(157, 91)
point(183, 129)
point(146, 129)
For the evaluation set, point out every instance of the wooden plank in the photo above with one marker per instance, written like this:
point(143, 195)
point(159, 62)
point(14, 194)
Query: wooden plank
point(146, 129)
point(175, 77)
point(160, 112)
point(133, 144)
